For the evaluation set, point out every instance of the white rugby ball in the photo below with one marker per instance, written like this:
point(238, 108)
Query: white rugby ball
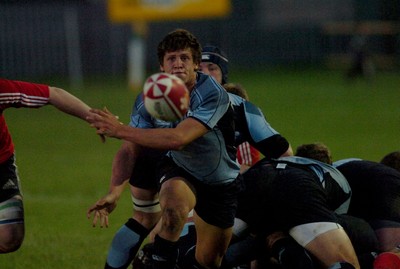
point(166, 97)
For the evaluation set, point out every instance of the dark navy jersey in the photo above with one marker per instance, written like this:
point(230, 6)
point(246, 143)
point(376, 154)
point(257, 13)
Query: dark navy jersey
point(333, 181)
point(210, 158)
point(375, 187)
point(252, 126)
point(280, 195)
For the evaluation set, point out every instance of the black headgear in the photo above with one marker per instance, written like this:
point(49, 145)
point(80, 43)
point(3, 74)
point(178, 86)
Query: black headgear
point(215, 55)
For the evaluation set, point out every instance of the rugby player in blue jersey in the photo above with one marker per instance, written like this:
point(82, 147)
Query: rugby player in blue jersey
point(251, 124)
point(200, 171)
point(252, 127)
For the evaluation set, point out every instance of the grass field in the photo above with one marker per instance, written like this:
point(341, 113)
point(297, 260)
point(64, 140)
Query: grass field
point(64, 168)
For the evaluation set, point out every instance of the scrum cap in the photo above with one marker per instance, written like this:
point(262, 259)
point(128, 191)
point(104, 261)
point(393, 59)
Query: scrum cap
point(214, 55)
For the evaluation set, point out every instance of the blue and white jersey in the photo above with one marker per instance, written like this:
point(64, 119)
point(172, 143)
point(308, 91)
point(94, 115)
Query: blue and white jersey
point(212, 157)
point(343, 161)
point(252, 126)
point(320, 169)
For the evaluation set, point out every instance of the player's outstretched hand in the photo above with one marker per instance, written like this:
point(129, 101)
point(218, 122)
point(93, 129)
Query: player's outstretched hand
point(102, 138)
point(106, 123)
point(101, 209)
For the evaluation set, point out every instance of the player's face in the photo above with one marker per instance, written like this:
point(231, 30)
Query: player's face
point(211, 69)
point(180, 63)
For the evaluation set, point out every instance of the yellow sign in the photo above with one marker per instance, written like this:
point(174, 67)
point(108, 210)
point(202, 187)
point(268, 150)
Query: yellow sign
point(158, 10)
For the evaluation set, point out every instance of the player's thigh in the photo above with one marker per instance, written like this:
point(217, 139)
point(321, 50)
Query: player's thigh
point(144, 194)
point(178, 193)
point(144, 187)
point(331, 246)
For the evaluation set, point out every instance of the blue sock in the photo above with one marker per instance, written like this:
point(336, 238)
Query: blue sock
point(125, 244)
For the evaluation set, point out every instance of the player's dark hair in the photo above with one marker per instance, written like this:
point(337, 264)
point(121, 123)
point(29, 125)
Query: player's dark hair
point(179, 39)
point(316, 151)
point(237, 89)
point(392, 159)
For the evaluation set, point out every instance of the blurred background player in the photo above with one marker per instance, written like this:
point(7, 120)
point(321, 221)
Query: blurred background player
point(19, 94)
point(361, 64)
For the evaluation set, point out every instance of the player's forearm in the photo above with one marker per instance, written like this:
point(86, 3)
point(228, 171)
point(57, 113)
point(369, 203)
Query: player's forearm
point(163, 138)
point(68, 103)
point(122, 167)
point(118, 189)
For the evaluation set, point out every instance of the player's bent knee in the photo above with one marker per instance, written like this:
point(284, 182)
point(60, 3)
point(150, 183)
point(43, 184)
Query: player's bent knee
point(12, 228)
point(10, 241)
point(10, 247)
point(208, 264)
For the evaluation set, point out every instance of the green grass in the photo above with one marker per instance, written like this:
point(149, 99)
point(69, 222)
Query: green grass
point(355, 119)
point(64, 168)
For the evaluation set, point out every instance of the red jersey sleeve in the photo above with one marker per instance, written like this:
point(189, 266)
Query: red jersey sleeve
point(22, 94)
point(18, 94)
point(247, 154)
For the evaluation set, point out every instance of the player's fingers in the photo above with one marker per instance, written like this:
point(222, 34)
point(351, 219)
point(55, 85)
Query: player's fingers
point(96, 215)
point(96, 115)
point(105, 109)
point(93, 118)
point(89, 211)
point(102, 138)
point(103, 113)
point(108, 112)
point(106, 222)
point(95, 110)
point(99, 131)
point(103, 220)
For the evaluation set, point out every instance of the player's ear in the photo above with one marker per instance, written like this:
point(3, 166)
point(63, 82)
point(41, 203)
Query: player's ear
point(162, 68)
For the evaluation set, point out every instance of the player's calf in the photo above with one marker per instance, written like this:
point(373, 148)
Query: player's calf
point(125, 245)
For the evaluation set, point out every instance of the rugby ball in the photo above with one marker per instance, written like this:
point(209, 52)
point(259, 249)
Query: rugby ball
point(166, 97)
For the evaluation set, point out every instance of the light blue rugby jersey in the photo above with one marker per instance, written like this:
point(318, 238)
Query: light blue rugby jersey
point(206, 158)
point(320, 168)
point(258, 127)
point(343, 161)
